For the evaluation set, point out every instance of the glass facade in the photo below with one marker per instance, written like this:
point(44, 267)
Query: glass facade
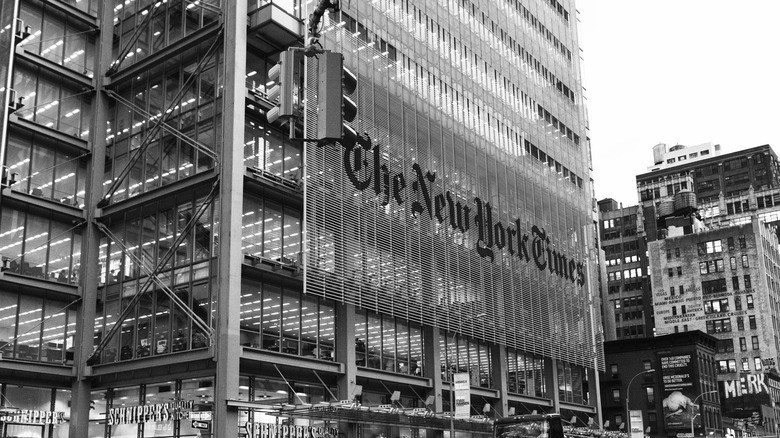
point(469, 197)
point(156, 324)
point(145, 171)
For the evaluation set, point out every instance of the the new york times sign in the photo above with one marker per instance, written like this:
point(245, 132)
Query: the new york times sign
point(444, 207)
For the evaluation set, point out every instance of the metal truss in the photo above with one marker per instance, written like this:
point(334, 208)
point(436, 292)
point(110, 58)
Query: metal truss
point(175, 132)
point(153, 277)
point(160, 123)
point(139, 30)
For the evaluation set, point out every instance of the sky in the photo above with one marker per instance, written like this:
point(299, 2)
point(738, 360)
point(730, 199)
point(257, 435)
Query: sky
point(676, 72)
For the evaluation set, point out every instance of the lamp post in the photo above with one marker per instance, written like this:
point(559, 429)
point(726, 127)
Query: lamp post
point(693, 406)
point(628, 392)
point(452, 382)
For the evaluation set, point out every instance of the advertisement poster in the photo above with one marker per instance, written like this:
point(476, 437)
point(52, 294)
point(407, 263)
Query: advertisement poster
point(677, 377)
point(462, 395)
point(637, 424)
point(744, 398)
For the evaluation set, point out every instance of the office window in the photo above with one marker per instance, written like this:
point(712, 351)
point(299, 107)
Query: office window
point(719, 325)
point(668, 254)
point(740, 323)
point(613, 369)
point(733, 263)
point(650, 395)
point(716, 306)
point(757, 363)
point(726, 345)
point(616, 395)
point(36, 329)
point(679, 271)
point(754, 341)
point(735, 283)
point(749, 301)
point(263, 327)
point(745, 261)
point(671, 272)
point(682, 289)
point(713, 286)
point(752, 322)
point(710, 247)
point(41, 246)
point(745, 364)
point(742, 344)
point(737, 302)
point(730, 242)
point(677, 252)
point(748, 283)
point(671, 290)
point(742, 242)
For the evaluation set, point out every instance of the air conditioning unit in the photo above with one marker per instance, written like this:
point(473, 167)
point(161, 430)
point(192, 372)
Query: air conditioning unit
point(22, 31)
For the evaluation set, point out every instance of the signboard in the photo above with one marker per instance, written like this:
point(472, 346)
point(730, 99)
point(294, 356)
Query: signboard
point(743, 397)
point(175, 410)
point(26, 416)
point(462, 395)
point(268, 430)
point(637, 424)
point(677, 377)
point(204, 425)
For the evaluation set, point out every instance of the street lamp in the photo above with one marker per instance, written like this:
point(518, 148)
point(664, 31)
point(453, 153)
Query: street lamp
point(452, 383)
point(693, 406)
point(628, 392)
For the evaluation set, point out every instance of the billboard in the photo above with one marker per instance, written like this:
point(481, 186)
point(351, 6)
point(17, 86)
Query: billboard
point(677, 377)
point(743, 397)
point(462, 395)
point(637, 423)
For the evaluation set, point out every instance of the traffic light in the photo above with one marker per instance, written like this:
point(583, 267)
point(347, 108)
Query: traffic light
point(285, 93)
point(334, 84)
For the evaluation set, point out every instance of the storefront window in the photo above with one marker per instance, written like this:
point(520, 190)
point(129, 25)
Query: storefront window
point(47, 416)
point(158, 409)
point(273, 393)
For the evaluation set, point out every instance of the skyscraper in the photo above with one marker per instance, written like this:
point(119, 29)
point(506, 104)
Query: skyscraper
point(176, 263)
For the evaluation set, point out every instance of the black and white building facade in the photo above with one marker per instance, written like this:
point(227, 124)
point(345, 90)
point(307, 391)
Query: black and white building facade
point(175, 265)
